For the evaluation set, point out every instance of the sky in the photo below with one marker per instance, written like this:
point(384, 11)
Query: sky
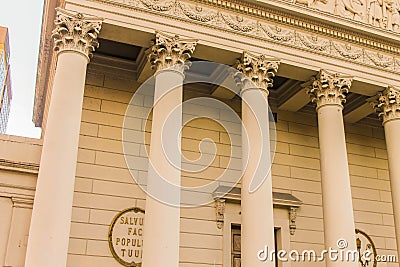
point(23, 19)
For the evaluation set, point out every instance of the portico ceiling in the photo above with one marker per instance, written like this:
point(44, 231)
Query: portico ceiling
point(286, 94)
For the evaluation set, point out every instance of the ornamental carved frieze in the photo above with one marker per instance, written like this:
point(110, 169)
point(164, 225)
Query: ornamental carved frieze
point(379, 60)
point(348, 51)
point(265, 25)
point(257, 69)
point(328, 88)
point(238, 23)
point(313, 42)
point(197, 13)
point(276, 33)
point(158, 5)
point(387, 104)
point(170, 52)
point(76, 32)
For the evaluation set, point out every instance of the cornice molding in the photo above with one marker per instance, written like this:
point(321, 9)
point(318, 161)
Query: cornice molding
point(278, 27)
point(19, 166)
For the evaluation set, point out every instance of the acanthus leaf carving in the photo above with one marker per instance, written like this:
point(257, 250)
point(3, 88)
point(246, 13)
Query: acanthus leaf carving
point(387, 104)
point(276, 33)
point(314, 43)
point(170, 52)
point(197, 13)
point(238, 23)
point(328, 88)
point(257, 69)
point(347, 51)
point(379, 59)
point(76, 32)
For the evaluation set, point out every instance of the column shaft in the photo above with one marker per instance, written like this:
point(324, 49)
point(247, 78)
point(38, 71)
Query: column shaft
point(257, 203)
point(257, 206)
point(75, 38)
point(162, 220)
point(328, 90)
point(392, 130)
point(387, 106)
point(51, 215)
point(336, 189)
point(6, 210)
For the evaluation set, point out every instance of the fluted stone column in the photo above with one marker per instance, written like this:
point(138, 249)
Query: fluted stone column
point(328, 91)
point(387, 105)
point(257, 203)
point(75, 39)
point(162, 217)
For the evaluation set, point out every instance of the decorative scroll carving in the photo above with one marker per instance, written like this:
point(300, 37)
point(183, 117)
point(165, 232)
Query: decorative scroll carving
point(276, 33)
point(237, 23)
point(157, 5)
point(292, 219)
point(328, 88)
point(171, 52)
point(196, 13)
point(347, 51)
point(387, 104)
point(220, 209)
point(76, 32)
point(258, 69)
point(314, 43)
point(380, 60)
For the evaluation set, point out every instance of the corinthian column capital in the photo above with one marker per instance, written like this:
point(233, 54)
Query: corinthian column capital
point(387, 104)
point(259, 70)
point(171, 52)
point(328, 88)
point(76, 32)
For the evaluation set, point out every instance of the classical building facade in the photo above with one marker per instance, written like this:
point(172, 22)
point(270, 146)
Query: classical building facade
point(208, 133)
point(5, 79)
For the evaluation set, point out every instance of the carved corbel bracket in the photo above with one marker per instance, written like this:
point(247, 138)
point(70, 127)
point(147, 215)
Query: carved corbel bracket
point(292, 219)
point(220, 209)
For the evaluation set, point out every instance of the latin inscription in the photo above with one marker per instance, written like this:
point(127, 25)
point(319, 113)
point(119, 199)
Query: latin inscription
point(126, 237)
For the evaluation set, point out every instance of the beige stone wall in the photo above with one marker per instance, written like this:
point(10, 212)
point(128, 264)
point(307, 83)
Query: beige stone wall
point(19, 163)
point(104, 185)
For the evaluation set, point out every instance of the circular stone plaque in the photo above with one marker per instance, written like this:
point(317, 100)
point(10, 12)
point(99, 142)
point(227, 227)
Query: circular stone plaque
point(125, 237)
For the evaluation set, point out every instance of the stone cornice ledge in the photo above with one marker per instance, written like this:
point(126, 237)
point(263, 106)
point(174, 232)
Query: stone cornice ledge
point(19, 166)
